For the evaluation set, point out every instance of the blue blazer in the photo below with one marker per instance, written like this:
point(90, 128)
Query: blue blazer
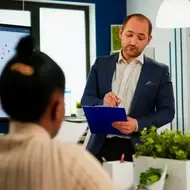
point(153, 101)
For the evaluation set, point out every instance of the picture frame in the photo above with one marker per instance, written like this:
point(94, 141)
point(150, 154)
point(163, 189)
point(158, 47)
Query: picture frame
point(115, 39)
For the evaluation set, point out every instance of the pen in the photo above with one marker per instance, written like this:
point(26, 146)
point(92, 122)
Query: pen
point(122, 158)
point(118, 101)
point(104, 160)
point(117, 104)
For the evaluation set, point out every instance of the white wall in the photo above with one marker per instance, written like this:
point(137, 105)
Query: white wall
point(161, 39)
point(12, 17)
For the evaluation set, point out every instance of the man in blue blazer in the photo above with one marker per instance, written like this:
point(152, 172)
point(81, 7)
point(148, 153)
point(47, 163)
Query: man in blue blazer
point(131, 80)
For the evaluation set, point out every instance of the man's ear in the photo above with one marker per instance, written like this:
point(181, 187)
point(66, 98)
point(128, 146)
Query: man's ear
point(149, 39)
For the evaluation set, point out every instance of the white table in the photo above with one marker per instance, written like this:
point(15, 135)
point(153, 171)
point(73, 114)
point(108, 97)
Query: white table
point(71, 132)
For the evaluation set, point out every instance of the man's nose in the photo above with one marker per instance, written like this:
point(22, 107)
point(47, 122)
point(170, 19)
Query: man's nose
point(134, 40)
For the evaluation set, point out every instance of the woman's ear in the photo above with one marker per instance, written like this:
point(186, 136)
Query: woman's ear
point(60, 110)
point(57, 107)
point(54, 108)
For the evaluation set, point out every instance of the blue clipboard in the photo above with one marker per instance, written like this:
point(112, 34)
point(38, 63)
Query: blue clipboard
point(100, 119)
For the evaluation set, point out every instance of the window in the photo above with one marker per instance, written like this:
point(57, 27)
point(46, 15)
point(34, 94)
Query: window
point(61, 31)
point(63, 38)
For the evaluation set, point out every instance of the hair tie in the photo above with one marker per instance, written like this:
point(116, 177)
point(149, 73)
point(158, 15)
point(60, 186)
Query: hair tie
point(22, 69)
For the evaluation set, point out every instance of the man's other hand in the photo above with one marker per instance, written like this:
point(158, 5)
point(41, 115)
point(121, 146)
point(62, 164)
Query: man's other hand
point(126, 127)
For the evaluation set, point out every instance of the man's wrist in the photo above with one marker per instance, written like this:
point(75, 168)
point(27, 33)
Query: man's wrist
point(137, 126)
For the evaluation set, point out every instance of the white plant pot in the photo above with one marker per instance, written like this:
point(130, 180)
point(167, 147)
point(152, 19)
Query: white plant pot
point(120, 173)
point(178, 171)
point(79, 112)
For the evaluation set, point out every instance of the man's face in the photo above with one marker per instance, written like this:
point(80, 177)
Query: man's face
point(134, 37)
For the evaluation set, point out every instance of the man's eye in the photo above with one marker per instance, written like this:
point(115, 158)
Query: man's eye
point(129, 35)
point(141, 37)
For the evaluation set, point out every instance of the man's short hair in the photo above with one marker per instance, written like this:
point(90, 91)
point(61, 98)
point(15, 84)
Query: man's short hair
point(141, 17)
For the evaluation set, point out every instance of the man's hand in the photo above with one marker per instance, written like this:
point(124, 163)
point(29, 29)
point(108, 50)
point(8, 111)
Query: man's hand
point(126, 127)
point(110, 99)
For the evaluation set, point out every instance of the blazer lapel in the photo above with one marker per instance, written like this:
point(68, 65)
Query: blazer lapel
point(145, 72)
point(112, 67)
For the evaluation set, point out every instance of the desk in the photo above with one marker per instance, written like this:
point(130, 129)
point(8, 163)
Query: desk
point(71, 132)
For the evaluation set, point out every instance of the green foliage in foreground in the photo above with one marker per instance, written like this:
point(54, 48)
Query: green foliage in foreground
point(169, 144)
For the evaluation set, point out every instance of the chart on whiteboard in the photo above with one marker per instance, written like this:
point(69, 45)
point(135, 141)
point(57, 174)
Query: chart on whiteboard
point(5, 54)
point(7, 47)
point(9, 38)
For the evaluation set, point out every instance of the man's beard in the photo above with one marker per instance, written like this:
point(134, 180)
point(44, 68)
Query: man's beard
point(135, 52)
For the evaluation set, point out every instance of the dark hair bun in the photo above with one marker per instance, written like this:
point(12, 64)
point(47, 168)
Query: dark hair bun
point(25, 47)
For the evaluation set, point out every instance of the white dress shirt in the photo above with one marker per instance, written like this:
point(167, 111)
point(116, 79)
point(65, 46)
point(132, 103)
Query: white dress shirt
point(125, 80)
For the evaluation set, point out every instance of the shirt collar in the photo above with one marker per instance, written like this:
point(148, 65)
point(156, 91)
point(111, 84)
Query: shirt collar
point(27, 129)
point(139, 59)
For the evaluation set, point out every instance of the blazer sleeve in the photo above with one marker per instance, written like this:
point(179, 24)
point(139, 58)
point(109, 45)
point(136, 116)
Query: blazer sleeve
point(165, 108)
point(90, 95)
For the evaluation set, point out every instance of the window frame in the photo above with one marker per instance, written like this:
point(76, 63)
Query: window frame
point(34, 8)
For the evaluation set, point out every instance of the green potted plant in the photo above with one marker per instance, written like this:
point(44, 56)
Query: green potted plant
point(169, 148)
point(79, 110)
point(152, 179)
